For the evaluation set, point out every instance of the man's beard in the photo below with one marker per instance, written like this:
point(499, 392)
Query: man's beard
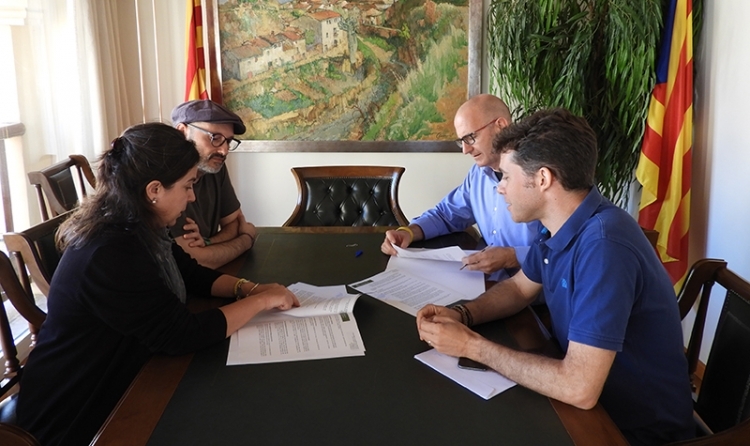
point(205, 166)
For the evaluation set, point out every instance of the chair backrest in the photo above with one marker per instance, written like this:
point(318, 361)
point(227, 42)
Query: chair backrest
point(25, 306)
point(651, 235)
point(56, 182)
point(724, 397)
point(347, 196)
point(35, 254)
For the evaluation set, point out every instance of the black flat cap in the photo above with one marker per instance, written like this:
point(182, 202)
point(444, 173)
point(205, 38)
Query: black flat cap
point(205, 110)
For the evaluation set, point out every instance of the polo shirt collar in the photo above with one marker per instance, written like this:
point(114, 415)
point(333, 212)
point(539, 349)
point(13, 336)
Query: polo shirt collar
point(575, 222)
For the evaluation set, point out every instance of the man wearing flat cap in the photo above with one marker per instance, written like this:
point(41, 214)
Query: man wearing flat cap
point(212, 229)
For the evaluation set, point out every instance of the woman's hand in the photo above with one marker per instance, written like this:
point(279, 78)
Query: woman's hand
point(277, 296)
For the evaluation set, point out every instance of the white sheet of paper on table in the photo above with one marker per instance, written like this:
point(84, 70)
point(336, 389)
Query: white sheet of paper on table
point(445, 274)
point(405, 291)
point(486, 384)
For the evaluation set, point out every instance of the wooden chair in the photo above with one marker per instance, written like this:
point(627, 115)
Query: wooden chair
point(25, 306)
point(722, 407)
point(11, 435)
point(56, 182)
point(347, 196)
point(34, 253)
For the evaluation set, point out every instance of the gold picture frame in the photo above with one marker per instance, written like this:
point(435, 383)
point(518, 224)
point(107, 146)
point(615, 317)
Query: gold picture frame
point(212, 29)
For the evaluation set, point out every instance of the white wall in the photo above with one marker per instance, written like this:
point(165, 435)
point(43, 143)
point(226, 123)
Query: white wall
point(721, 151)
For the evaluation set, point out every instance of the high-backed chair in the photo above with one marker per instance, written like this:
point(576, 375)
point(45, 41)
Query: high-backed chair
point(723, 401)
point(56, 182)
point(347, 196)
point(25, 306)
point(34, 253)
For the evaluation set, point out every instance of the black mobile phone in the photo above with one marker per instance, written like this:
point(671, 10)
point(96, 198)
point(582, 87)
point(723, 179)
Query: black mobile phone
point(470, 364)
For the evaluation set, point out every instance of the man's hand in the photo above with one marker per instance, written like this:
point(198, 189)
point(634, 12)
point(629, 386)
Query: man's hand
point(491, 259)
point(192, 234)
point(441, 328)
point(430, 311)
point(402, 239)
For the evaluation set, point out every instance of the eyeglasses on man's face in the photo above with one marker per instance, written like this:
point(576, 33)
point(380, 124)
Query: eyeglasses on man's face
point(217, 139)
point(471, 138)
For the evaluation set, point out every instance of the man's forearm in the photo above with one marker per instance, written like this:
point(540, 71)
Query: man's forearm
point(418, 233)
point(502, 300)
point(226, 233)
point(577, 379)
point(216, 255)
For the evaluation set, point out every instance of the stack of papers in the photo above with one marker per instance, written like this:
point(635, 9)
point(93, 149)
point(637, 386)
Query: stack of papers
point(322, 327)
point(417, 277)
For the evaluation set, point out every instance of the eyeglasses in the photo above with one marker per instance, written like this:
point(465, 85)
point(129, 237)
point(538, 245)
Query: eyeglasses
point(217, 139)
point(471, 138)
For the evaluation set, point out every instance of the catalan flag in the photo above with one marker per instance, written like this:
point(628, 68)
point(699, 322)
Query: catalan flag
point(195, 76)
point(664, 167)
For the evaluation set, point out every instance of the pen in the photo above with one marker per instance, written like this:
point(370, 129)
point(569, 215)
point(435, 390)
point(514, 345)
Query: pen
point(466, 264)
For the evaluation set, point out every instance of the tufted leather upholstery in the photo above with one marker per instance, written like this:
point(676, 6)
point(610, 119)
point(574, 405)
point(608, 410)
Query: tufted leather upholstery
point(347, 196)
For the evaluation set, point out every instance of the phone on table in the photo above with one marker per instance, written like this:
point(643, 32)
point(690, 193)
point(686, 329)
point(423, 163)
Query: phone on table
point(470, 364)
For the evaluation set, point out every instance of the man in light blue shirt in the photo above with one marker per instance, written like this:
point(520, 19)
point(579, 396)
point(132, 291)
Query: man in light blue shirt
point(476, 200)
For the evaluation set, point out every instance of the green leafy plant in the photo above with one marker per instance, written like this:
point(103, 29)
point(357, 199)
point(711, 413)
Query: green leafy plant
point(594, 57)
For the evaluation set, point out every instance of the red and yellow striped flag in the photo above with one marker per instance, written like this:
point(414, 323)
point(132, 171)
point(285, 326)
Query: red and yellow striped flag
point(195, 75)
point(664, 167)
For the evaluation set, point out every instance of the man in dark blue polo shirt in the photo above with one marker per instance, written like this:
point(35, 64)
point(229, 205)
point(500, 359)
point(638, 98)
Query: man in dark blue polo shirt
point(612, 306)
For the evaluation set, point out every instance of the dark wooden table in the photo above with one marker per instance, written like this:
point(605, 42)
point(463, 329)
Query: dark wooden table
point(385, 397)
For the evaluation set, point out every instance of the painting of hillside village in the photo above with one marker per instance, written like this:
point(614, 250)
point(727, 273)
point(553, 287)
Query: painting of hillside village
point(357, 70)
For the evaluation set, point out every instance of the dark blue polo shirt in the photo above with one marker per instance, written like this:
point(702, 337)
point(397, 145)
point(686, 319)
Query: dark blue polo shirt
point(605, 287)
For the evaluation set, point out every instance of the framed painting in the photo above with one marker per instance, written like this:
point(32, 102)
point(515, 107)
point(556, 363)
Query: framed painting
point(344, 76)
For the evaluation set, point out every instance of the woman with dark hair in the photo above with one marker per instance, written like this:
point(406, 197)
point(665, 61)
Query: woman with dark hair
point(118, 294)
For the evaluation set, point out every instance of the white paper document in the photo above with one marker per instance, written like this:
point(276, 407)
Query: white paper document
point(449, 254)
point(486, 383)
point(406, 292)
point(446, 274)
point(322, 327)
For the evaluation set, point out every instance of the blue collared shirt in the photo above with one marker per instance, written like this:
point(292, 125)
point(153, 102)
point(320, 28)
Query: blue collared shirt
point(476, 200)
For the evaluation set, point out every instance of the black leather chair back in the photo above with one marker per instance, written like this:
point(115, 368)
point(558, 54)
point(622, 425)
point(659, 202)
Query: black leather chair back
point(34, 250)
point(57, 183)
point(347, 196)
point(723, 402)
point(724, 397)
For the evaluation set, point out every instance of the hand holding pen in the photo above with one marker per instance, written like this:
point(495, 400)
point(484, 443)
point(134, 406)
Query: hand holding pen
point(491, 259)
point(474, 263)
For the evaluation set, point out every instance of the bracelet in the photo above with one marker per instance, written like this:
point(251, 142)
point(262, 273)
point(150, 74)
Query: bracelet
point(466, 317)
point(407, 229)
point(461, 312)
point(252, 239)
point(238, 288)
point(249, 292)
